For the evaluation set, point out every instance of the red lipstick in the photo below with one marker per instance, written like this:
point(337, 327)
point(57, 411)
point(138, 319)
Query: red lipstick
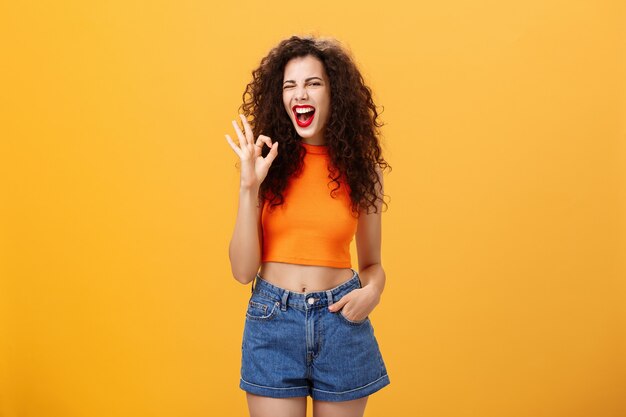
point(307, 117)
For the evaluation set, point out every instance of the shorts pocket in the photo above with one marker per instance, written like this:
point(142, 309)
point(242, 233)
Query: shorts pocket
point(350, 322)
point(261, 308)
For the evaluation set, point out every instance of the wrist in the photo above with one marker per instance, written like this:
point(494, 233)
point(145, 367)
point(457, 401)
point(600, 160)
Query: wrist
point(249, 190)
point(375, 289)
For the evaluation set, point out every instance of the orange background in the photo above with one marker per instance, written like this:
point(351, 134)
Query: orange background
point(504, 242)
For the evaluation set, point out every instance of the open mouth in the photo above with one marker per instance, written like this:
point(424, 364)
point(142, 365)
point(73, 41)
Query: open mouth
point(304, 115)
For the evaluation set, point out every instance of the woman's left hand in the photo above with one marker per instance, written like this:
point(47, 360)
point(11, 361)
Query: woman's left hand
point(357, 304)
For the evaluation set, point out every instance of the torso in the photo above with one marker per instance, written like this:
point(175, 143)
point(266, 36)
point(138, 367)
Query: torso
point(304, 278)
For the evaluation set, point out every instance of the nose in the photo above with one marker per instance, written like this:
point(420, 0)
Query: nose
point(301, 93)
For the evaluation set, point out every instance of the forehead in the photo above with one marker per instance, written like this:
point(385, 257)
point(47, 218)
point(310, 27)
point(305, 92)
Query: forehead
point(304, 66)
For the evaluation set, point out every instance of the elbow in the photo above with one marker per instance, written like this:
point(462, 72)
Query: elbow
point(243, 270)
point(244, 276)
point(243, 279)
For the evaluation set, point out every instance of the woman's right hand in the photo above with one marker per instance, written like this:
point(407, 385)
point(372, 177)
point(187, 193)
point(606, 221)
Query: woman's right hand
point(254, 167)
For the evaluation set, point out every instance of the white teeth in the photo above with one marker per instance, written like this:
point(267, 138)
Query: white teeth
point(304, 110)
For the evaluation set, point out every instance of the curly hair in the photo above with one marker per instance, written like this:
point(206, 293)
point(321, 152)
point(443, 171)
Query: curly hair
point(351, 132)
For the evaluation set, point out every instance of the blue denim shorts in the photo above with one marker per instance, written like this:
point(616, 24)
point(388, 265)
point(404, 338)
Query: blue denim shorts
point(293, 346)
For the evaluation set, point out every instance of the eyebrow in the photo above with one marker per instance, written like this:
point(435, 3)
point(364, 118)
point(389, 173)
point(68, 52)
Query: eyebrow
point(307, 80)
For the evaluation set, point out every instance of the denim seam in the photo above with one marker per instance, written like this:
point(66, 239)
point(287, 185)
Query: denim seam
point(293, 302)
point(263, 386)
point(259, 306)
point(356, 389)
point(320, 337)
point(266, 317)
point(265, 294)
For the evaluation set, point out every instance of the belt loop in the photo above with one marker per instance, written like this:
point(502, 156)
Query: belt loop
point(283, 307)
point(329, 295)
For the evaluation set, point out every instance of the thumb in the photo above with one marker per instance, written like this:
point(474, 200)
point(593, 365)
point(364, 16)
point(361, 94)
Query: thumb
point(338, 305)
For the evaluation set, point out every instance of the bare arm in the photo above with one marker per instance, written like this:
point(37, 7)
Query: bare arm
point(244, 250)
point(359, 303)
point(368, 242)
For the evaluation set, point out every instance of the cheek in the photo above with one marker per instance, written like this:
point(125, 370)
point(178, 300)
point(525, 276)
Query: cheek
point(326, 101)
point(326, 110)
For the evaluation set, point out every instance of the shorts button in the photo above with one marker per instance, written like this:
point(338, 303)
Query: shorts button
point(311, 300)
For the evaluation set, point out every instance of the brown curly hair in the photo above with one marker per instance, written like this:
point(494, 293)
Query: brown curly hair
point(351, 131)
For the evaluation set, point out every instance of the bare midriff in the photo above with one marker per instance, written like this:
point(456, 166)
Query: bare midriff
point(304, 278)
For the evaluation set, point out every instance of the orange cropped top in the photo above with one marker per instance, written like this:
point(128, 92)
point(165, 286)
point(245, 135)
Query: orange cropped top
point(310, 227)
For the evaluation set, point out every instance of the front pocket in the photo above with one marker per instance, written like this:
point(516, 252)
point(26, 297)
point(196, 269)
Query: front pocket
point(350, 322)
point(261, 308)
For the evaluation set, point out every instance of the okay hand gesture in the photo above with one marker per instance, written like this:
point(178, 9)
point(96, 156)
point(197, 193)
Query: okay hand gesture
point(254, 167)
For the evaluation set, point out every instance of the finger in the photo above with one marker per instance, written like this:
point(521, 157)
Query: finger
point(358, 318)
point(273, 153)
point(264, 139)
point(339, 304)
point(258, 146)
point(232, 145)
point(243, 141)
point(247, 128)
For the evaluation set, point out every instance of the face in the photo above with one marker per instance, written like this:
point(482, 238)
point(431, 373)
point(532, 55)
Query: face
point(306, 96)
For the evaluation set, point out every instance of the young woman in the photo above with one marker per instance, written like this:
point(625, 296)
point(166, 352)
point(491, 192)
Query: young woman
point(310, 182)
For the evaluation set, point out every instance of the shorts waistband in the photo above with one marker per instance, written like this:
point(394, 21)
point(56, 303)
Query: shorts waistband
point(306, 300)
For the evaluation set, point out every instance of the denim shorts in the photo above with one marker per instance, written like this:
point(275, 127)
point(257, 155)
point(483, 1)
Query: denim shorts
point(293, 346)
